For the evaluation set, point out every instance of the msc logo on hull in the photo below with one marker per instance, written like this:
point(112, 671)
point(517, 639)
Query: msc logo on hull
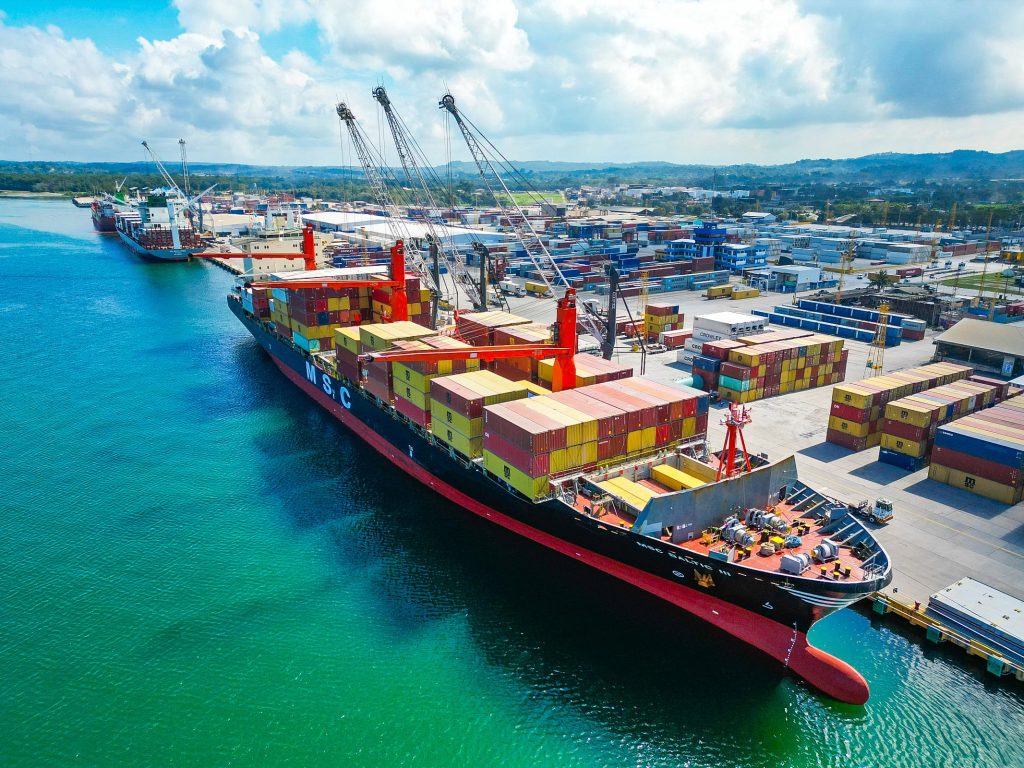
point(318, 377)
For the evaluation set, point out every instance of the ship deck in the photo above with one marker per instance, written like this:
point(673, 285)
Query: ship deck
point(708, 543)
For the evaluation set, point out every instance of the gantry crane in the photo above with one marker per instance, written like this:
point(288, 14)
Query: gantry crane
point(521, 226)
point(417, 174)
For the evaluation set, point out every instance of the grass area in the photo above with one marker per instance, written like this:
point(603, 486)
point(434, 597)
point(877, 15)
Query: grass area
point(529, 198)
point(994, 283)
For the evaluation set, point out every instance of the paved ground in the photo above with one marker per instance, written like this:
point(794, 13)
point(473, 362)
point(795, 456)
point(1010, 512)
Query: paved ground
point(940, 534)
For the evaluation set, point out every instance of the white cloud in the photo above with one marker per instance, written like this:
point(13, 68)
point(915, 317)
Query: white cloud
point(684, 80)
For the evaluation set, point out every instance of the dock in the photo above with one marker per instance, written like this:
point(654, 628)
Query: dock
point(937, 632)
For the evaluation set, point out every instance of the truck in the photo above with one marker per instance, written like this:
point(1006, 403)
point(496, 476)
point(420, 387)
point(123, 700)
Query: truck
point(880, 513)
point(511, 288)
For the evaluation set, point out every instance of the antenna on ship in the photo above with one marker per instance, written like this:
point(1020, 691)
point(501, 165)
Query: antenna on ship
point(737, 418)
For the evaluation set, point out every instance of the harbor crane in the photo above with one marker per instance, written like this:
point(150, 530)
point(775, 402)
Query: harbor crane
point(191, 203)
point(374, 169)
point(417, 176)
point(480, 147)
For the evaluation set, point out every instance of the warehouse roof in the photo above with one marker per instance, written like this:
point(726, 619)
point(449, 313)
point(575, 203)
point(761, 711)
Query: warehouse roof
point(981, 334)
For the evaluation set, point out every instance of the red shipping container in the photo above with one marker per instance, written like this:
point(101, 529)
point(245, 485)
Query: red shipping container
point(965, 462)
point(611, 448)
point(702, 424)
point(906, 431)
point(410, 411)
point(524, 428)
point(378, 389)
point(845, 440)
point(662, 435)
point(533, 464)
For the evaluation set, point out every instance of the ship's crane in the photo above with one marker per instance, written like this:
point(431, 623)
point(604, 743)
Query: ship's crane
point(193, 203)
point(524, 231)
point(417, 174)
point(563, 374)
point(374, 169)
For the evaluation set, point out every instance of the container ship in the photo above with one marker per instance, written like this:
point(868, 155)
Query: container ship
point(159, 228)
point(104, 211)
point(504, 418)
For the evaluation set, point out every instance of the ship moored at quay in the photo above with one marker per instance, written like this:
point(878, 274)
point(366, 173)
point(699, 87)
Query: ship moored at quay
point(735, 540)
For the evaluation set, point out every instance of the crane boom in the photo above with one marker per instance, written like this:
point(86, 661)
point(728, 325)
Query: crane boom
point(168, 179)
point(416, 176)
point(527, 235)
point(372, 169)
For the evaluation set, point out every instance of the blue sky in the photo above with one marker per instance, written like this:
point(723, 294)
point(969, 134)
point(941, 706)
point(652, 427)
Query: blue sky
point(710, 81)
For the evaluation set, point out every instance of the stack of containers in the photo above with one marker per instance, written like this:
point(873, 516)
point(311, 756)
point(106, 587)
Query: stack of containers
point(856, 414)
point(718, 326)
point(411, 380)
point(378, 337)
point(590, 369)
point(708, 363)
point(477, 328)
point(528, 442)
point(519, 368)
point(308, 316)
point(347, 349)
point(718, 292)
point(755, 371)
point(983, 453)
point(908, 429)
point(457, 406)
point(659, 318)
point(256, 301)
point(417, 301)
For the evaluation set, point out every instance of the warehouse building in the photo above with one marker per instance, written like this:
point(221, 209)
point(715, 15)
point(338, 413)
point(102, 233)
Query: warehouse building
point(994, 347)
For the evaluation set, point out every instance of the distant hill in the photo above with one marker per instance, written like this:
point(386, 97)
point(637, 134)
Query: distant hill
point(886, 168)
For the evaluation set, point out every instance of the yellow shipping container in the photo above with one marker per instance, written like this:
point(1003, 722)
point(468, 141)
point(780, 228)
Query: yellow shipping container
point(380, 336)
point(633, 494)
point(673, 478)
point(418, 381)
point(573, 457)
point(852, 394)
point(442, 415)
point(633, 441)
point(648, 438)
point(902, 445)
point(461, 442)
point(917, 414)
point(690, 426)
point(407, 392)
point(1006, 494)
point(849, 427)
point(531, 487)
point(347, 338)
point(584, 428)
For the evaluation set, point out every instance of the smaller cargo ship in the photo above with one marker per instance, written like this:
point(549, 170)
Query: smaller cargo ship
point(159, 228)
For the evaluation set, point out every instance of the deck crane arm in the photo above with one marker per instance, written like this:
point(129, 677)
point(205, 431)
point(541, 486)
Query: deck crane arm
point(168, 179)
point(416, 177)
point(563, 373)
point(527, 235)
point(375, 177)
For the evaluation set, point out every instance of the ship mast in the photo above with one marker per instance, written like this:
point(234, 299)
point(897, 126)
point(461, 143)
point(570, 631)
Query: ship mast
point(737, 418)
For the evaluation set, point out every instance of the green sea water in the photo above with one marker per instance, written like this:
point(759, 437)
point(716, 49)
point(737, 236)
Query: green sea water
point(199, 567)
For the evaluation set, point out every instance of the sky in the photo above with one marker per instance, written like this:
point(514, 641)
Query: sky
point(686, 81)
